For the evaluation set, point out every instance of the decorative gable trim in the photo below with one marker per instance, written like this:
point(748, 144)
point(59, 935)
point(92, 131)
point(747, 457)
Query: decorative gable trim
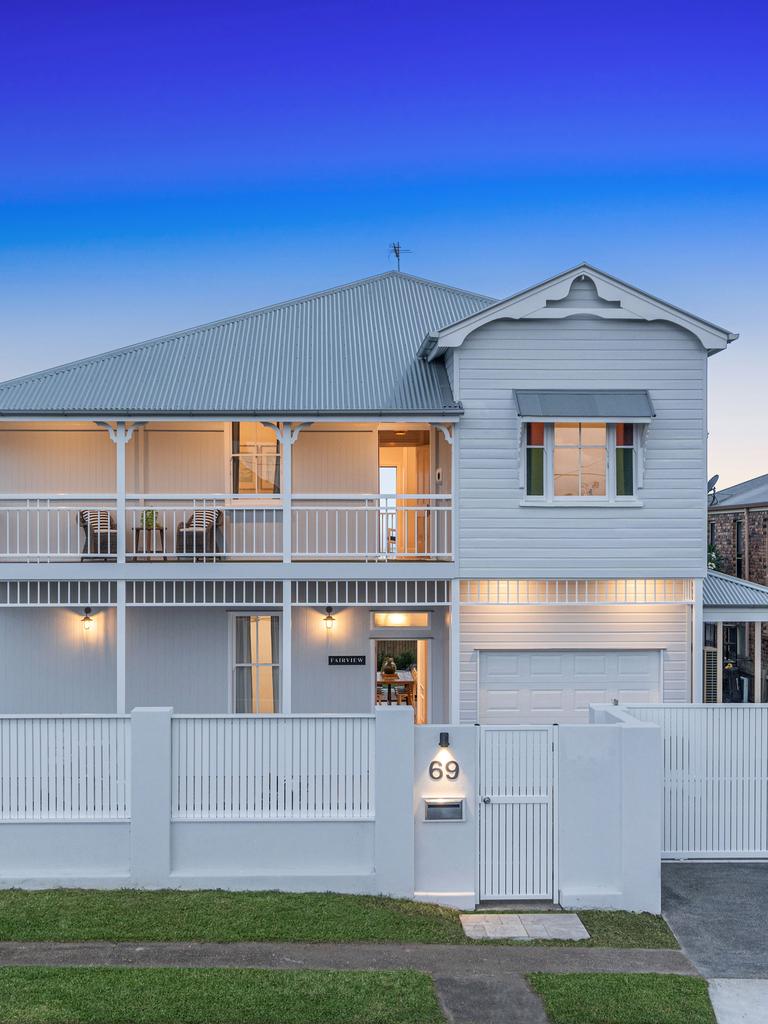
point(569, 295)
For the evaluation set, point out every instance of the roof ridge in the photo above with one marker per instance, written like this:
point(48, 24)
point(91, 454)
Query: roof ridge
point(173, 335)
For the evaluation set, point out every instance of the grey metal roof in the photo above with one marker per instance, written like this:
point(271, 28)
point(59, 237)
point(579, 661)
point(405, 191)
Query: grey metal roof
point(750, 492)
point(351, 349)
point(730, 592)
point(585, 404)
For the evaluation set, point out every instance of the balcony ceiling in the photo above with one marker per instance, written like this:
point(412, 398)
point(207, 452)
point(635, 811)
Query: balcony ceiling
point(350, 350)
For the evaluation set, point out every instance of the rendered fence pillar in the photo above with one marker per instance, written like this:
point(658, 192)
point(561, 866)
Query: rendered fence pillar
point(393, 831)
point(609, 813)
point(446, 852)
point(151, 797)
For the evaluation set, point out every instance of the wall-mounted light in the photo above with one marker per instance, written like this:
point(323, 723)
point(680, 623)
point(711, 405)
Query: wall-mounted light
point(445, 740)
point(329, 619)
point(87, 619)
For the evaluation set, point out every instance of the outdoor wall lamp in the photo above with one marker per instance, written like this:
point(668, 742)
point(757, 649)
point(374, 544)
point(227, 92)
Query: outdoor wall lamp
point(444, 740)
point(87, 619)
point(329, 619)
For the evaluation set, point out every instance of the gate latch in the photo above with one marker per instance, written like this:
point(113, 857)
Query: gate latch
point(486, 799)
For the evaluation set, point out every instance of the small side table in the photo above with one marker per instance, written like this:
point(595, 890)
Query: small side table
point(149, 543)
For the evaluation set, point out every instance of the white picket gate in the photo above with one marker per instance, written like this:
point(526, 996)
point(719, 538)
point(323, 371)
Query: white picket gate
point(715, 778)
point(517, 785)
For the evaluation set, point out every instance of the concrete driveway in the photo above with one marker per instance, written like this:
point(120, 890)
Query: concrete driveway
point(719, 913)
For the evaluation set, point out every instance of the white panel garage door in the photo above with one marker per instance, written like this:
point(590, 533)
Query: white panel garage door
point(542, 687)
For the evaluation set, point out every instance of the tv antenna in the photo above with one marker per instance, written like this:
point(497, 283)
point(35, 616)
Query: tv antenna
point(711, 488)
point(397, 250)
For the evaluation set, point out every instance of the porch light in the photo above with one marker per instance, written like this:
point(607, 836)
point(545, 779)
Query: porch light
point(87, 619)
point(445, 740)
point(329, 619)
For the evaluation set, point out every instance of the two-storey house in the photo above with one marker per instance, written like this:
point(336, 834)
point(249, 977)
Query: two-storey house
point(392, 491)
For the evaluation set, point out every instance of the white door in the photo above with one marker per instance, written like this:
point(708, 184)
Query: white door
point(541, 687)
point(517, 826)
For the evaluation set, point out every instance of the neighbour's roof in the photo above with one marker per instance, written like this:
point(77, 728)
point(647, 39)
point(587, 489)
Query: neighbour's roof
point(351, 349)
point(750, 492)
point(730, 592)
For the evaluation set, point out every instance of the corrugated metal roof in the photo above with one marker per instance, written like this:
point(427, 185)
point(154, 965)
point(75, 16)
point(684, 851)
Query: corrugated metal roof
point(730, 592)
point(350, 349)
point(750, 492)
point(585, 403)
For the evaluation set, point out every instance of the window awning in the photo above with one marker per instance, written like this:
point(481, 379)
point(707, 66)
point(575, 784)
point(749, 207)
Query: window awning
point(610, 406)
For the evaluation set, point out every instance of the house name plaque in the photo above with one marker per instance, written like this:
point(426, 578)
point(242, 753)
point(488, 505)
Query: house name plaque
point(346, 659)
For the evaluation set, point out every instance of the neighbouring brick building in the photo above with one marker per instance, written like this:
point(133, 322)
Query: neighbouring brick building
point(738, 535)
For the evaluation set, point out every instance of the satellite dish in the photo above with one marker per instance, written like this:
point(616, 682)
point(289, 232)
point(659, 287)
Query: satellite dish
point(712, 481)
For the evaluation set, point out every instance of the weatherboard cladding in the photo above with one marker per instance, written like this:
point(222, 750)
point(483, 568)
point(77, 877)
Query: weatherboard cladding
point(350, 349)
point(723, 591)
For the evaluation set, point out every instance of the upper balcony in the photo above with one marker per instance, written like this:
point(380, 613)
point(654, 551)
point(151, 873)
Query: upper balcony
point(216, 491)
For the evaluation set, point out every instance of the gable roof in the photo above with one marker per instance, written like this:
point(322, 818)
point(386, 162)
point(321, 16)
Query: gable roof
point(750, 492)
point(351, 349)
point(722, 591)
point(562, 296)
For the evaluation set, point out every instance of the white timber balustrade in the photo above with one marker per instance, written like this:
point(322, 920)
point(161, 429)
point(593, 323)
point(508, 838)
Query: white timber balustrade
point(371, 526)
point(64, 527)
point(273, 767)
point(64, 768)
point(715, 762)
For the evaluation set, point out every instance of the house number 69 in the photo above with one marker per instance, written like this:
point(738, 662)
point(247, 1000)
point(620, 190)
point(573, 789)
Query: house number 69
point(450, 770)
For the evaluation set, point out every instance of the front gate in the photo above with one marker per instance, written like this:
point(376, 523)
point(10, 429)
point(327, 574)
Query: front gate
point(517, 782)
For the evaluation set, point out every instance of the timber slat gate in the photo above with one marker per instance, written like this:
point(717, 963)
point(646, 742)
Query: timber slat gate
point(517, 812)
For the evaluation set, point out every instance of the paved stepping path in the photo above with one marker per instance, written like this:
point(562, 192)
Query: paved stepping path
point(523, 927)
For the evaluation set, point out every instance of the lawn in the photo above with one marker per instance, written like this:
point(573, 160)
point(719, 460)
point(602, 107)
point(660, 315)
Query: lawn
point(623, 998)
point(124, 915)
point(153, 995)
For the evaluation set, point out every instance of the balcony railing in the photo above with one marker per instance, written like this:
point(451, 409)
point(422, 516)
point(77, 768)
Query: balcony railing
point(218, 527)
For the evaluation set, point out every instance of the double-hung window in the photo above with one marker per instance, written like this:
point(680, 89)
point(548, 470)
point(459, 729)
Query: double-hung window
point(255, 664)
point(575, 461)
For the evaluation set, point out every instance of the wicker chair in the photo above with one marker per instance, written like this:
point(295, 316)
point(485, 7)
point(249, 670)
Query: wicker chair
point(198, 535)
point(100, 533)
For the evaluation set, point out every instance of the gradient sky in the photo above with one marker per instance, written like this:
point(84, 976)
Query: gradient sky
point(162, 165)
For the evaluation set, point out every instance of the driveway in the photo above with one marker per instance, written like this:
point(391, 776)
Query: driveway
point(719, 913)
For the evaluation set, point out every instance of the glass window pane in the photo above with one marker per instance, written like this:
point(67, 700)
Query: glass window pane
point(593, 472)
point(267, 689)
point(535, 471)
point(593, 433)
point(255, 459)
point(536, 433)
point(566, 472)
point(246, 690)
point(244, 654)
point(625, 434)
point(566, 433)
point(625, 476)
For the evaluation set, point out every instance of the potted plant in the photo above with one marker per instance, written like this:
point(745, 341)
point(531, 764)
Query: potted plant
point(149, 535)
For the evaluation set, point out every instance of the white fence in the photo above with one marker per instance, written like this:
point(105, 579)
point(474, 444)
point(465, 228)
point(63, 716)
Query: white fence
point(58, 767)
point(273, 768)
point(517, 792)
point(52, 528)
point(715, 778)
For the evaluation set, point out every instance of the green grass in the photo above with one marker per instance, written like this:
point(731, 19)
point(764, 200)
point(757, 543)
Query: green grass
point(124, 915)
point(153, 995)
point(623, 998)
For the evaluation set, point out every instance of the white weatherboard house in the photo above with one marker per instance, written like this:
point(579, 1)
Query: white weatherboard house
point(392, 499)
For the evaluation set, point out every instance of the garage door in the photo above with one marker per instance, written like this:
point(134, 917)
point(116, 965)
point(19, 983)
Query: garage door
point(542, 687)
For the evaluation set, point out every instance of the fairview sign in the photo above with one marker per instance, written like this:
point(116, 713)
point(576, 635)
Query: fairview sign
point(346, 659)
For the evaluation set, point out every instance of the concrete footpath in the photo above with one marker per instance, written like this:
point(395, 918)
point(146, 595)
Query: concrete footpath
point(475, 984)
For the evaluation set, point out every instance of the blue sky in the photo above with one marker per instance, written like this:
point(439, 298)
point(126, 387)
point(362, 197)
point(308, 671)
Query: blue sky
point(163, 165)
